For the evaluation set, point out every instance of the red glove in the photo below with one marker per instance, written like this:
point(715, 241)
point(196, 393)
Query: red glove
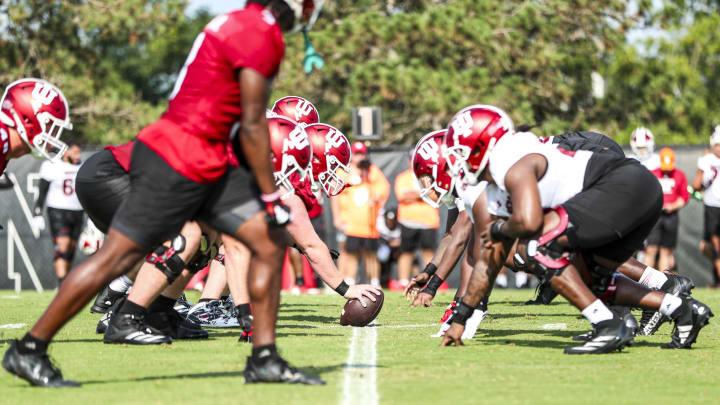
point(278, 214)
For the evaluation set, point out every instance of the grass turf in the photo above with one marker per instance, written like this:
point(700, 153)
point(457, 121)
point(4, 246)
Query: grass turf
point(513, 359)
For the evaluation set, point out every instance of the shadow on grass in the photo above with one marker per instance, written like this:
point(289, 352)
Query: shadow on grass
point(306, 305)
point(219, 374)
point(309, 318)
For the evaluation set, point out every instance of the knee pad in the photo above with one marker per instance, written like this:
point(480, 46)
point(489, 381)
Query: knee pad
point(207, 252)
point(546, 257)
point(69, 255)
point(167, 259)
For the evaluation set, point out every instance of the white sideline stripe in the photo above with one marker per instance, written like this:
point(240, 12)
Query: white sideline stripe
point(384, 326)
point(10, 297)
point(13, 326)
point(360, 376)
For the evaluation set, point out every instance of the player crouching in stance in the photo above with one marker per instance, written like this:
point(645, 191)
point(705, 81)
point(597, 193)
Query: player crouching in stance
point(33, 115)
point(482, 145)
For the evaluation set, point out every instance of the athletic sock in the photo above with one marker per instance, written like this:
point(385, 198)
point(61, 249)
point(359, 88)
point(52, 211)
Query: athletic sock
point(669, 304)
point(262, 354)
point(521, 279)
point(404, 282)
point(375, 282)
point(597, 312)
point(501, 280)
point(243, 310)
point(205, 300)
point(131, 308)
point(121, 284)
point(162, 304)
point(32, 345)
point(652, 278)
point(60, 280)
point(299, 281)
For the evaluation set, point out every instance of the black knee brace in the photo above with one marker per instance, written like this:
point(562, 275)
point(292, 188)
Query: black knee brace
point(207, 252)
point(167, 259)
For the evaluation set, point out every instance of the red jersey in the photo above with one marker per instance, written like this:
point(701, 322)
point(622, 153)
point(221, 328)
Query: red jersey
point(4, 146)
point(192, 135)
point(122, 154)
point(303, 189)
point(674, 185)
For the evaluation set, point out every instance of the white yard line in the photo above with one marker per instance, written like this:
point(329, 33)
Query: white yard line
point(13, 326)
point(416, 325)
point(360, 376)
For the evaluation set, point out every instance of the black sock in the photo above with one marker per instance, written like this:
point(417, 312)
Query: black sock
point(262, 354)
point(131, 308)
point(299, 281)
point(32, 345)
point(162, 304)
point(457, 298)
point(205, 300)
point(60, 280)
point(243, 309)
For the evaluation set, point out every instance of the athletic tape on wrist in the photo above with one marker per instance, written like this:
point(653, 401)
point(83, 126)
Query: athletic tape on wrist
point(432, 286)
point(430, 269)
point(342, 289)
point(461, 313)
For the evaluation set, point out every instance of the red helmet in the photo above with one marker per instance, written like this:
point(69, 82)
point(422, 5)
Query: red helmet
point(297, 109)
point(331, 151)
point(430, 168)
point(471, 137)
point(39, 112)
point(291, 151)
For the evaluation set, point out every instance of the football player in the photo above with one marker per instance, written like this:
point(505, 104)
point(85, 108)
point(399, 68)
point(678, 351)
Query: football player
point(642, 143)
point(57, 191)
point(482, 145)
point(179, 171)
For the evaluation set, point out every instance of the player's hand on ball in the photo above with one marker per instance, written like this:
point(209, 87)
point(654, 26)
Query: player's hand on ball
point(422, 300)
point(415, 285)
point(362, 292)
point(453, 335)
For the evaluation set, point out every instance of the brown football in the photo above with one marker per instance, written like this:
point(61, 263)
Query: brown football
point(353, 314)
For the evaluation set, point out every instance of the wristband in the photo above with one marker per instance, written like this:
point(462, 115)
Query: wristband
point(266, 198)
point(342, 288)
point(430, 269)
point(461, 313)
point(432, 286)
point(496, 232)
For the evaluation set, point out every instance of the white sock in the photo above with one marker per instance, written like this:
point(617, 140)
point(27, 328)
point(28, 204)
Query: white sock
point(121, 284)
point(597, 312)
point(350, 281)
point(520, 279)
point(652, 278)
point(669, 304)
point(501, 280)
point(375, 282)
point(404, 282)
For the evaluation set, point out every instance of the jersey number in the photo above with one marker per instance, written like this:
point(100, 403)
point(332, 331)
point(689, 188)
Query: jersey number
point(68, 188)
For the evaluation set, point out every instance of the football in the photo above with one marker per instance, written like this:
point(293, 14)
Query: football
point(353, 313)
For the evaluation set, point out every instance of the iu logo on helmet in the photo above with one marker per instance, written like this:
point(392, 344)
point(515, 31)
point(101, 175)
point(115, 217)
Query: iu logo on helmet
point(303, 109)
point(333, 139)
point(296, 139)
point(429, 151)
point(42, 95)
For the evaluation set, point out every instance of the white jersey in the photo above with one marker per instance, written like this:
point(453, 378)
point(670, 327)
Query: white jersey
point(563, 178)
point(453, 203)
point(651, 162)
point(498, 201)
point(468, 195)
point(710, 166)
point(61, 176)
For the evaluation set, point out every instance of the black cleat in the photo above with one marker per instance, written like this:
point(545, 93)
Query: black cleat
point(693, 316)
point(182, 305)
point(650, 321)
point(103, 323)
point(545, 294)
point(607, 336)
point(37, 369)
point(624, 314)
point(105, 300)
point(175, 325)
point(277, 370)
point(131, 329)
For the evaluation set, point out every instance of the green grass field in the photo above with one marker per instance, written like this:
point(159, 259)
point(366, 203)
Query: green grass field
point(513, 359)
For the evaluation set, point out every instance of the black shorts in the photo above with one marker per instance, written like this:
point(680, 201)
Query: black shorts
point(665, 231)
point(318, 224)
point(413, 238)
point(712, 222)
point(161, 200)
point(614, 214)
point(585, 140)
point(354, 244)
point(101, 186)
point(65, 222)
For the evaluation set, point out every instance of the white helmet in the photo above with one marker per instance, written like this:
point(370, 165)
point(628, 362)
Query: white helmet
point(715, 136)
point(642, 142)
point(306, 12)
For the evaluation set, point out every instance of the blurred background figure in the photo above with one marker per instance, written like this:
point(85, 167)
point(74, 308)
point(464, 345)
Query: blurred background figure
point(388, 251)
point(663, 237)
point(418, 225)
point(355, 213)
point(642, 143)
point(706, 179)
point(65, 214)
